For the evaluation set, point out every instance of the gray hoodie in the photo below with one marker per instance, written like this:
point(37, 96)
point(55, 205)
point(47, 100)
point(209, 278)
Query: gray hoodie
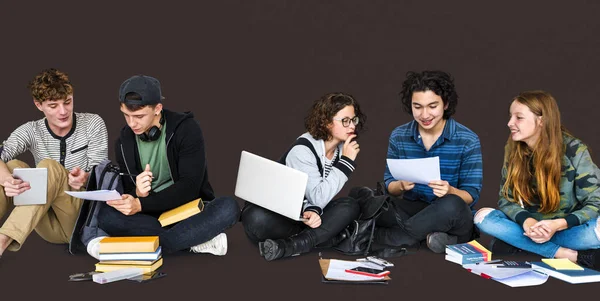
point(320, 190)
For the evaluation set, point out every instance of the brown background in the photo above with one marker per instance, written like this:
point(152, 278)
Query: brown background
point(249, 71)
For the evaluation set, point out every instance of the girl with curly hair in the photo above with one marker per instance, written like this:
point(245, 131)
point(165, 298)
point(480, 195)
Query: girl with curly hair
point(326, 152)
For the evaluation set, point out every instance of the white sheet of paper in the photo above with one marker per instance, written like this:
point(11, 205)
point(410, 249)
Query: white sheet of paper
point(420, 171)
point(337, 270)
point(96, 195)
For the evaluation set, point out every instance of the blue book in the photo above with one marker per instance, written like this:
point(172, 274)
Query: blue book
point(571, 276)
point(469, 252)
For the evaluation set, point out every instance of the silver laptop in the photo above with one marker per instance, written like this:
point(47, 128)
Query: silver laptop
point(38, 180)
point(271, 185)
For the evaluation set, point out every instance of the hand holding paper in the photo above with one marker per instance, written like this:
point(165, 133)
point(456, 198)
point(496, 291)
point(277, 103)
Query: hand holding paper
point(420, 171)
point(96, 195)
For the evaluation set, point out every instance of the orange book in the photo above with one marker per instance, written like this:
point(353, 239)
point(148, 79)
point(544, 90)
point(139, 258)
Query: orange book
point(180, 213)
point(103, 267)
point(129, 244)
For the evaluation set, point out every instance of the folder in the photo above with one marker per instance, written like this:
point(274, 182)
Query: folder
point(325, 263)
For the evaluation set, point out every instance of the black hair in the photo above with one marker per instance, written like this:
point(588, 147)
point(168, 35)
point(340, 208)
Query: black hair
point(438, 82)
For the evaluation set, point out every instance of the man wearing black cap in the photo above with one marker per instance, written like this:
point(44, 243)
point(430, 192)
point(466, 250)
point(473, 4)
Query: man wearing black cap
point(162, 156)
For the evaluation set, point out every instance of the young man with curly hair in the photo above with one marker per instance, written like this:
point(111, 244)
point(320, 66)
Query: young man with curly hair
point(326, 152)
point(68, 144)
point(441, 211)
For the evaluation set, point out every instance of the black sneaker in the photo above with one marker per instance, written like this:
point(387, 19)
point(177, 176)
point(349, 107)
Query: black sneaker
point(437, 241)
point(589, 258)
point(499, 247)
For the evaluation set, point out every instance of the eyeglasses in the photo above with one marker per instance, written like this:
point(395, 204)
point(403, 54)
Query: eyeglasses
point(346, 121)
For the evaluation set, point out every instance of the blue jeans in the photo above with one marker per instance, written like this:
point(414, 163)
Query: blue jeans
point(218, 215)
point(582, 237)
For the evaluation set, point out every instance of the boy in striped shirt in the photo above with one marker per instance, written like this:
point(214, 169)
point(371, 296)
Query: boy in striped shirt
point(68, 144)
point(440, 212)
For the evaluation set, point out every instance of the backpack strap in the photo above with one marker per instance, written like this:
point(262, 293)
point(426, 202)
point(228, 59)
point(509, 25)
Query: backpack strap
point(305, 142)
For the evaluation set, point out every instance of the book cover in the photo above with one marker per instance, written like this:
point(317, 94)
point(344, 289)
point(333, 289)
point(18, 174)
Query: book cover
point(129, 244)
point(571, 276)
point(469, 252)
point(145, 256)
point(180, 213)
point(103, 267)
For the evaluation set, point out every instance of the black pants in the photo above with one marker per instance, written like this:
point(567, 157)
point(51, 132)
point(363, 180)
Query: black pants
point(407, 223)
point(218, 215)
point(261, 224)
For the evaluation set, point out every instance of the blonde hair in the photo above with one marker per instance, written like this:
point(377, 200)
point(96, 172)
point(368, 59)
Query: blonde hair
point(545, 156)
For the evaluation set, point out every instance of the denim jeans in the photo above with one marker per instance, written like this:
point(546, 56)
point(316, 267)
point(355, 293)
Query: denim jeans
point(261, 224)
point(407, 223)
point(218, 215)
point(582, 237)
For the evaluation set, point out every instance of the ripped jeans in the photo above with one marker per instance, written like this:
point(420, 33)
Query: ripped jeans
point(497, 224)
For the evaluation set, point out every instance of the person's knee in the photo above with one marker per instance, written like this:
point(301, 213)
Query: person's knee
point(256, 221)
point(12, 164)
point(49, 163)
point(597, 229)
point(229, 207)
point(452, 203)
point(107, 217)
point(481, 214)
point(347, 207)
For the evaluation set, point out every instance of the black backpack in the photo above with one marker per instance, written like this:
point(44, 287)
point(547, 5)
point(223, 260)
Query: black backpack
point(104, 176)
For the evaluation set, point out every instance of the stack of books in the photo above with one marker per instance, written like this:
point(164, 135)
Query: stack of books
point(467, 253)
point(141, 252)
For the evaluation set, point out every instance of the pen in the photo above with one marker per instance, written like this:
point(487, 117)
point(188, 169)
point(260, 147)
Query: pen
point(131, 175)
point(489, 262)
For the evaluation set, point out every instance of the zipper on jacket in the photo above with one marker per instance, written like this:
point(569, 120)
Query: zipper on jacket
point(169, 164)
point(127, 166)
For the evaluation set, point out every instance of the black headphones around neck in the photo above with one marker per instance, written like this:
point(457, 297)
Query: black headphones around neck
point(154, 132)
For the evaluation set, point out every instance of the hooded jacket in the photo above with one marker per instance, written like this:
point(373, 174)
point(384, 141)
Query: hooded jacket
point(187, 164)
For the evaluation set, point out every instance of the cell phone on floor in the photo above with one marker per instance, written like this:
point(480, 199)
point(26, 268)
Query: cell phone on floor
point(368, 272)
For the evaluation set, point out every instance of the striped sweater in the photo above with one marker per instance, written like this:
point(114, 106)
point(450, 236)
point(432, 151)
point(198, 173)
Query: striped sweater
point(84, 146)
point(320, 189)
point(458, 149)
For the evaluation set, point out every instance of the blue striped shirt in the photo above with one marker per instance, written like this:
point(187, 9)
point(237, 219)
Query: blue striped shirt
point(458, 149)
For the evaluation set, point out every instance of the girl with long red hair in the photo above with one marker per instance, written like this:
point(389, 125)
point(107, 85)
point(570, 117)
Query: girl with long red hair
point(550, 193)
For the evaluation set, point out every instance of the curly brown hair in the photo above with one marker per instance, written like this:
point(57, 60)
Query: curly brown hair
point(324, 109)
point(50, 84)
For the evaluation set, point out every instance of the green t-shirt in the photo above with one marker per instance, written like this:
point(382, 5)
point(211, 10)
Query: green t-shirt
point(155, 154)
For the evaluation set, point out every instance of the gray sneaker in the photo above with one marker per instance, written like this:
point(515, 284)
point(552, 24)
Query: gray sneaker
point(437, 241)
point(216, 246)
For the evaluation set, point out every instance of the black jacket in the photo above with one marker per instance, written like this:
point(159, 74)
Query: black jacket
point(187, 162)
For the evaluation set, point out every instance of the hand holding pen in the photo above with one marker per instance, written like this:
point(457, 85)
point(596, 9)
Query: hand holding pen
point(143, 182)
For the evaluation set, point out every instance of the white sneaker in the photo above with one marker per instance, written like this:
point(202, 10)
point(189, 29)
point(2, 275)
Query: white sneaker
point(93, 247)
point(216, 246)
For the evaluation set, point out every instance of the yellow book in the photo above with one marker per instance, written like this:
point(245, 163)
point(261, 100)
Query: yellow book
point(180, 213)
point(103, 267)
point(136, 262)
point(561, 264)
point(129, 244)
